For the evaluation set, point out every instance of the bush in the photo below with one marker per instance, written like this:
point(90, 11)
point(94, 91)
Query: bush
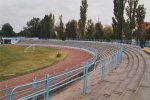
point(58, 54)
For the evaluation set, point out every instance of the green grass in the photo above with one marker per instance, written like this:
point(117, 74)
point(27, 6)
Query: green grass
point(14, 61)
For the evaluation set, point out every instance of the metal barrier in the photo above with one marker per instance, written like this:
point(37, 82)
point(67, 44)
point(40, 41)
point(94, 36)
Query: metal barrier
point(50, 83)
point(147, 43)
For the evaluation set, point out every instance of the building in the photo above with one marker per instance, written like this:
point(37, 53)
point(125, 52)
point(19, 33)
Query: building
point(9, 40)
point(145, 26)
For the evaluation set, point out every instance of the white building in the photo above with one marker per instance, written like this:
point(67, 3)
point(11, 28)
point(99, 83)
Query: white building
point(9, 40)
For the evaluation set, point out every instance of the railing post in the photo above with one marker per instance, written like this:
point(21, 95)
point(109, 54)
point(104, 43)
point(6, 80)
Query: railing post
point(85, 75)
point(95, 63)
point(121, 51)
point(149, 43)
point(46, 87)
point(146, 44)
point(54, 82)
point(118, 56)
point(115, 62)
point(6, 92)
point(67, 73)
point(103, 69)
point(111, 64)
point(35, 86)
point(77, 71)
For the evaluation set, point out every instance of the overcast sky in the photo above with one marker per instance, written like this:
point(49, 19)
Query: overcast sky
point(18, 12)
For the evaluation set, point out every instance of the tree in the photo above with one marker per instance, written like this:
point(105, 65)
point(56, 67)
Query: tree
point(22, 33)
point(52, 26)
point(148, 33)
point(61, 29)
point(140, 16)
point(46, 26)
point(7, 30)
point(89, 29)
point(131, 11)
point(127, 31)
point(42, 31)
point(83, 18)
point(79, 30)
point(33, 28)
point(98, 31)
point(1, 34)
point(118, 19)
point(108, 32)
point(71, 29)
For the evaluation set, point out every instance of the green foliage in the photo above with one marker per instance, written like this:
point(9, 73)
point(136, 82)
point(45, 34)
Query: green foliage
point(118, 19)
point(79, 30)
point(130, 12)
point(127, 31)
point(98, 34)
point(52, 26)
point(89, 29)
point(7, 30)
point(140, 16)
point(32, 29)
point(148, 33)
point(61, 29)
point(44, 28)
point(108, 32)
point(48, 27)
point(71, 29)
point(83, 18)
point(1, 33)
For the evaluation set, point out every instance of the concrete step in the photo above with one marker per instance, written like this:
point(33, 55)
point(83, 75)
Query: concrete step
point(123, 76)
point(108, 89)
point(132, 72)
point(147, 58)
point(133, 85)
point(113, 96)
point(146, 80)
point(143, 93)
point(119, 85)
point(122, 86)
point(127, 95)
point(137, 78)
point(114, 77)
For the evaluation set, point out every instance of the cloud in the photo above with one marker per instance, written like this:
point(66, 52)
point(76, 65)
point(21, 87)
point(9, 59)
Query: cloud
point(18, 12)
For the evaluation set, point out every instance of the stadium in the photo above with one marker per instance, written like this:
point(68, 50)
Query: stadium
point(96, 70)
point(74, 50)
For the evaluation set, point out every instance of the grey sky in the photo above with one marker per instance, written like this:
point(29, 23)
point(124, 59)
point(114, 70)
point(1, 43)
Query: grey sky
point(18, 12)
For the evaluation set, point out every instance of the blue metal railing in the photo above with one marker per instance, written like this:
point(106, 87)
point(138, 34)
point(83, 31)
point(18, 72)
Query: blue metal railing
point(147, 43)
point(55, 81)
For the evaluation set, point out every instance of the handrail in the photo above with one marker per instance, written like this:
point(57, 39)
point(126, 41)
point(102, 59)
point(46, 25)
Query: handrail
point(90, 63)
point(57, 76)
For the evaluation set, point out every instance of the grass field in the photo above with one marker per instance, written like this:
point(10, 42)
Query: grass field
point(14, 61)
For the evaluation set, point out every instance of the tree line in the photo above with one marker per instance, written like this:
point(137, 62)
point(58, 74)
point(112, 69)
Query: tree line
point(130, 28)
point(84, 28)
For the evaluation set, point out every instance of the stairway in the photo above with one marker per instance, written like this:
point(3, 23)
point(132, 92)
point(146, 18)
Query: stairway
point(130, 80)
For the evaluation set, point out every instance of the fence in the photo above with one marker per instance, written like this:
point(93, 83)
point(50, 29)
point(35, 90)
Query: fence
point(131, 42)
point(147, 43)
point(50, 83)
